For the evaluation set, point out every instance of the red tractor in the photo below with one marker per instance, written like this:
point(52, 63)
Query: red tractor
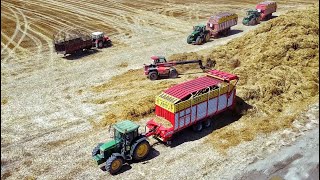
point(100, 40)
point(161, 68)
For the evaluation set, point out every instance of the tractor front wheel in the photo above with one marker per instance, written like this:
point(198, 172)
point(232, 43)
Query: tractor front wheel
point(114, 164)
point(153, 75)
point(141, 150)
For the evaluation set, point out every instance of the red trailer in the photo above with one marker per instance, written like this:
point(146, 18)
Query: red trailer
point(266, 9)
point(193, 103)
point(221, 23)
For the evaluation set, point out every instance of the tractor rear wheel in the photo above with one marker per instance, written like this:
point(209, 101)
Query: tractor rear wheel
point(207, 37)
point(153, 75)
point(197, 127)
point(114, 164)
point(258, 20)
point(252, 22)
point(100, 44)
point(173, 73)
point(198, 40)
point(141, 150)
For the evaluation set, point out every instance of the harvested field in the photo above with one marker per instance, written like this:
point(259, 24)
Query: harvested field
point(54, 109)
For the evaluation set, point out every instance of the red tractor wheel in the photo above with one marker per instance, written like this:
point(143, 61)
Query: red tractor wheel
point(100, 44)
point(153, 75)
point(173, 73)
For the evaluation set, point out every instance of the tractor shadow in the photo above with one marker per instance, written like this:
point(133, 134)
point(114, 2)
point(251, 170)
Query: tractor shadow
point(79, 55)
point(127, 166)
point(219, 121)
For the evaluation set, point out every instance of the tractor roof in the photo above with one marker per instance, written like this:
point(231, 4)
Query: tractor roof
point(97, 33)
point(154, 57)
point(126, 126)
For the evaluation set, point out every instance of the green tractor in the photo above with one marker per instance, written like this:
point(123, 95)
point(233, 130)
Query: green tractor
point(252, 18)
point(127, 144)
point(199, 35)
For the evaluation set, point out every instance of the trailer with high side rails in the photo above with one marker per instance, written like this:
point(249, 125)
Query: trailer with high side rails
point(221, 23)
point(193, 103)
point(266, 9)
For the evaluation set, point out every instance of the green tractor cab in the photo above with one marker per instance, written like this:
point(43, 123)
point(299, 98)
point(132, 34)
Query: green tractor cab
point(127, 144)
point(252, 18)
point(199, 35)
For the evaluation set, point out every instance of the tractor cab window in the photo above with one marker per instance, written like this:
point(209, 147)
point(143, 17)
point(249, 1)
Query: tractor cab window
point(117, 135)
point(160, 60)
point(130, 136)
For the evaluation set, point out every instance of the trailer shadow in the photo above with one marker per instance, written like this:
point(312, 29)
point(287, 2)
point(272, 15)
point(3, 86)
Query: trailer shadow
point(218, 121)
point(81, 54)
point(234, 31)
point(273, 16)
point(231, 33)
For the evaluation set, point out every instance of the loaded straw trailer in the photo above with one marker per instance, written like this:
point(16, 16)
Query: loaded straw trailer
point(71, 46)
point(266, 9)
point(192, 103)
point(221, 23)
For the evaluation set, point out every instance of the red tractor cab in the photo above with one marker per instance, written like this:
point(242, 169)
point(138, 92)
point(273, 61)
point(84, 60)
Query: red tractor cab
point(100, 40)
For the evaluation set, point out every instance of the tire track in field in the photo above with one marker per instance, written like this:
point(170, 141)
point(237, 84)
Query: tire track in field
point(11, 39)
point(20, 31)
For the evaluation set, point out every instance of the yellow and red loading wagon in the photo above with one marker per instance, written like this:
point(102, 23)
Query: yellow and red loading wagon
point(266, 9)
point(221, 22)
point(193, 101)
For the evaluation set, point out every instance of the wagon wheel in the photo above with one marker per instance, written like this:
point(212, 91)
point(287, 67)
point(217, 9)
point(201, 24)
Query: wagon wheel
point(207, 123)
point(197, 127)
point(114, 164)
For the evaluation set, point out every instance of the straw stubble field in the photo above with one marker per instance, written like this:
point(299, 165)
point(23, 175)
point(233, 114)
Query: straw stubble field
point(55, 110)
